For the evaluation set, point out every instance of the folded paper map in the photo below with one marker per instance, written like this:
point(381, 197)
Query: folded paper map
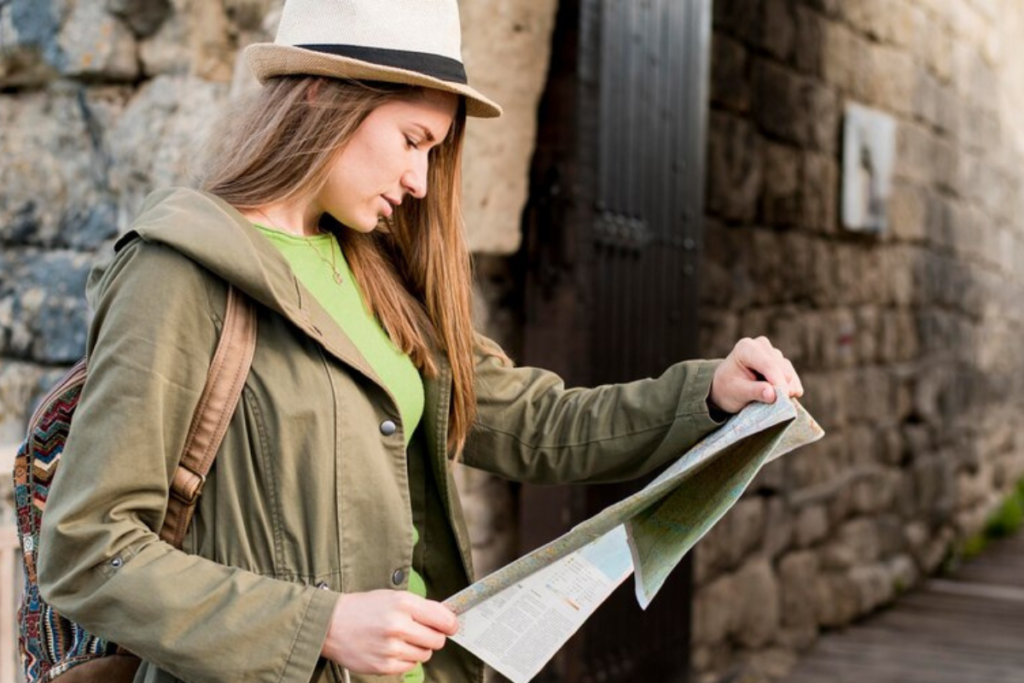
point(517, 618)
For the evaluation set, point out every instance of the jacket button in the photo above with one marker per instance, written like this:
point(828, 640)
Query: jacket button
point(398, 577)
point(323, 586)
point(117, 563)
point(387, 428)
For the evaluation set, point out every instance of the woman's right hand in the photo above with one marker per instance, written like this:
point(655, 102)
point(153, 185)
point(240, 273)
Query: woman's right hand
point(386, 632)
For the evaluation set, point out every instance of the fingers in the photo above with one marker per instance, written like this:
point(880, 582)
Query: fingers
point(759, 356)
point(752, 372)
point(386, 632)
point(796, 387)
point(422, 636)
point(436, 616)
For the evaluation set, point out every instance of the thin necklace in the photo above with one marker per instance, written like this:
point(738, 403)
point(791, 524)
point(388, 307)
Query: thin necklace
point(332, 263)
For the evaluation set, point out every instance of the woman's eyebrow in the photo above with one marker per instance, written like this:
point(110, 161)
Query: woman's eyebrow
point(426, 132)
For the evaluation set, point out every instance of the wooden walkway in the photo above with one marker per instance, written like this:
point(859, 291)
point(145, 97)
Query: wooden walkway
point(968, 628)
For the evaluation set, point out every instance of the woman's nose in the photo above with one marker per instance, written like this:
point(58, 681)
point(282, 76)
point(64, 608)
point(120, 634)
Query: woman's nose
point(415, 179)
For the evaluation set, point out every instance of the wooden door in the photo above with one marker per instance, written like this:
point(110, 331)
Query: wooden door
point(610, 266)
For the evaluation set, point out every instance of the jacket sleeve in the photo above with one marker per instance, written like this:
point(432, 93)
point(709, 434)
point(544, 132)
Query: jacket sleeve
point(102, 563)
point(530, 428)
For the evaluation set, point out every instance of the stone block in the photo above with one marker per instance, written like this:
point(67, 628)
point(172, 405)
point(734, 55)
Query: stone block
point(759, 599)
point(873, 494)
point(861, 536)
point(869, 17)
point(864, 447)
point(899, 267)
point(735, 166)
point(783, 101)
point(944, 160)
point(836, 343)
point(934, 484)
point(936, 45)
point(824, 117)
point(55, 146)
point(903, 573)
point(826, 397)
point(780, 200)
point(22, 385)
point(892, 445)
point(507, 49)
point(716, 611)
point(914, 154)
point(819, 193)
point(937, 550)
point(144, 17)
point(840, 506)
point(738, 18)
point(874, 586)
point(163, 136)
point(950, 112)
point(892, 84)
point(927, 96)
point(873, 397)
point(730, 82)
point(848, 63)
point(732, 540)
point(857, 272)
point(96, 45)
point(815, 465)
point(798, 576)
point(901, 24)
point(908, 211)
point(488, 506)
point(168, 51)
point(756, 275)
point(718, 334)
point(867, 334)
point(808, 275)
point(810, 37)
point(830, 8)
point(811, 525)
point(779, 33)
point(837, 601)
point(48, 315)
point(916, 535)
point(779, 526)
point(30, 55)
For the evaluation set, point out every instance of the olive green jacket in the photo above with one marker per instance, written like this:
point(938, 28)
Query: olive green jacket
point(308, 496)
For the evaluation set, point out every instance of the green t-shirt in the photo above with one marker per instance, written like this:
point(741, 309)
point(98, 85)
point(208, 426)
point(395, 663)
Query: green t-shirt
point(314, 261)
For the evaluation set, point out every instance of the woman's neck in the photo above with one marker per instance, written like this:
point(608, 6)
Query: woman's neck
point(299, 218)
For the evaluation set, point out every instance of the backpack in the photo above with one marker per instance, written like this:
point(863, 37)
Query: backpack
point(51, 645)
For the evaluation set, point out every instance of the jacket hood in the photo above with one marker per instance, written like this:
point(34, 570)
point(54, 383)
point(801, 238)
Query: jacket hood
point(211, 232)
point(215, 235)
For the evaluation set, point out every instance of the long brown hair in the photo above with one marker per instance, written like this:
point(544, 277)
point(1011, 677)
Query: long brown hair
point(416, 276)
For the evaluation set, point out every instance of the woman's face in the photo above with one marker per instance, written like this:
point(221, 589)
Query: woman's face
point(386, 159)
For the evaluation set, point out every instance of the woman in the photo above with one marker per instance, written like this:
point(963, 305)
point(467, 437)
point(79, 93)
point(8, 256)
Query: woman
point(330, 524)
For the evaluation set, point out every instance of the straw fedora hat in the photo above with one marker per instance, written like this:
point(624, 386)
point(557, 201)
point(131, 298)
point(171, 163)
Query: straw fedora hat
point(418, 42)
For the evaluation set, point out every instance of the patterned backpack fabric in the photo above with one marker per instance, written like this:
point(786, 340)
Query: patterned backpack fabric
point(51, 645)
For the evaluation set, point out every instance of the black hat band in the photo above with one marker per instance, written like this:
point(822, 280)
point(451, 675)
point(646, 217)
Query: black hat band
point(442, 68)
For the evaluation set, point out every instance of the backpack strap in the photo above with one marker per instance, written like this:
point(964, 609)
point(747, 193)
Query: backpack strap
point(230, 366)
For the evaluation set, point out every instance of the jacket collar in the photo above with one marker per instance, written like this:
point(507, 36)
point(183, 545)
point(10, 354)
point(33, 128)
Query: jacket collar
point(213, 233)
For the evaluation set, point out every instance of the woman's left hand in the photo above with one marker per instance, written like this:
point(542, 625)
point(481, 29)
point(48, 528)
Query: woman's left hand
point(750, 373)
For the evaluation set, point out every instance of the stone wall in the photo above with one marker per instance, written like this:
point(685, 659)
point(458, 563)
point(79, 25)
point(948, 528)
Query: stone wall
point(102, 101)
point(906, 341)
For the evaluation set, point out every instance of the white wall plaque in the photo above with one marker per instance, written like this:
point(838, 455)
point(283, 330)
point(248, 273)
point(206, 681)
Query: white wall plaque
point(869, 154)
